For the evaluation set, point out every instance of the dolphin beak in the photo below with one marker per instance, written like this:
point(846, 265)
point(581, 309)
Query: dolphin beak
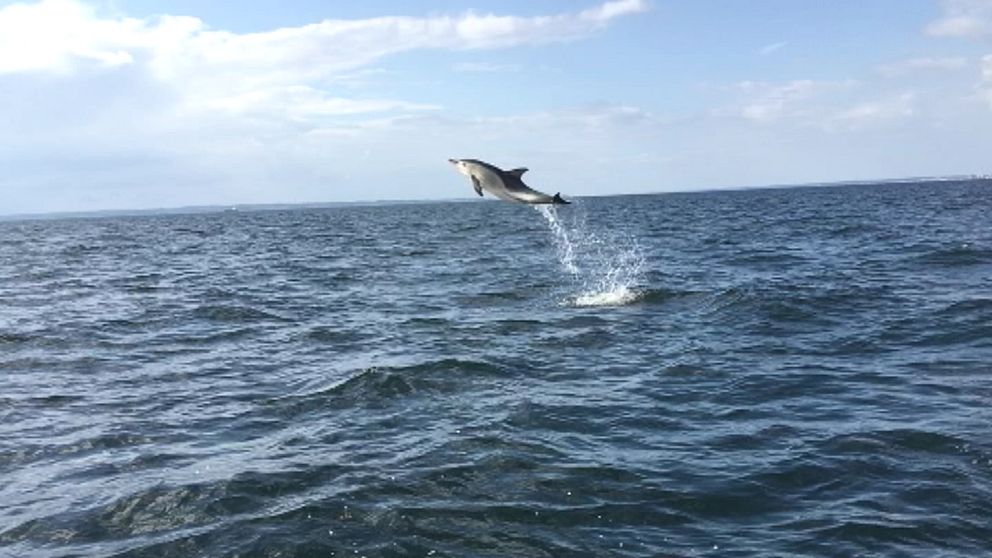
point(452, 161)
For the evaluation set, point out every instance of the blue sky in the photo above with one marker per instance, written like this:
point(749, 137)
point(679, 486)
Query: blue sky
point(125, 104)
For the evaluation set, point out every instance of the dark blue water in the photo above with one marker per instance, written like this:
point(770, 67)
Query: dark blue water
point(756, 373)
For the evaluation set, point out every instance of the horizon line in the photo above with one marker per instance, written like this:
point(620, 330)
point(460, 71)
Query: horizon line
point(278, 206)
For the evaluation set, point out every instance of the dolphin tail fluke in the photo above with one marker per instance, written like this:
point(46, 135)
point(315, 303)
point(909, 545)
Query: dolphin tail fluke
point(558, 199)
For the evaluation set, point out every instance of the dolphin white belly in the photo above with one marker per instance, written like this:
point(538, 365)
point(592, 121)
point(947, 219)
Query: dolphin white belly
point(492, 183)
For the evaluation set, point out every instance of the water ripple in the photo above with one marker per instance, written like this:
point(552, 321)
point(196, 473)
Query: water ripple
point(769, 372)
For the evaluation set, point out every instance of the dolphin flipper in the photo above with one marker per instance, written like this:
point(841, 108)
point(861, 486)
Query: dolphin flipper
point(477, 186)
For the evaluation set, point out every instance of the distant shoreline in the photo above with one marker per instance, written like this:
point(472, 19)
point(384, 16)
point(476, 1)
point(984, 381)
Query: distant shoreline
point(255, 207)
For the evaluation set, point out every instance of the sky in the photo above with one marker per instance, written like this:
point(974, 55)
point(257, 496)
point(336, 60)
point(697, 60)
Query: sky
point(133, 104)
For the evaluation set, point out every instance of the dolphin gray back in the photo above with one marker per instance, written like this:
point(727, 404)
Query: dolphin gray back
point(493, 168)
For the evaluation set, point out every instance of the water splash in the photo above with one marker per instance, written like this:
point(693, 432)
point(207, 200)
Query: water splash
point(563, 244)
point(604, 267)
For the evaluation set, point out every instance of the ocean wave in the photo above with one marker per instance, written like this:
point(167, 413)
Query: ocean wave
point(235, 314)
point(377, 385)
point(785, 381)
point(964, 254)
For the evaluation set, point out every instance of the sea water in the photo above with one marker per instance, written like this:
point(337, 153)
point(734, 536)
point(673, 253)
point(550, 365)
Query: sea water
point(784, 372)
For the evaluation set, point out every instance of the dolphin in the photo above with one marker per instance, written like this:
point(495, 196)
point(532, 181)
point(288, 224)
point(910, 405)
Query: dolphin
point(505, 185)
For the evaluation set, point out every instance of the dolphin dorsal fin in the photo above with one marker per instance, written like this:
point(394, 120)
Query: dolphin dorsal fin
point(517, 172)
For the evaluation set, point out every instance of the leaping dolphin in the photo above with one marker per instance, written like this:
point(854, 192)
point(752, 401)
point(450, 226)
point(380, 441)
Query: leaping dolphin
point(505, 185)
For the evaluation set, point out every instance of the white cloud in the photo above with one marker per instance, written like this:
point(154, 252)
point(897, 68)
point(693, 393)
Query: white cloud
point(56, 35)
point(763, 102)
point(963, 18)
point(211, 68)
point(969, 19)
point(828, 106)
point(923, 64)
point(872, 112)
point(773, 47)
point(609, 10)
point(985, 87)
point(485, 67)
point(301, 102)
point(103, 110)
point(565, 126)
point(597, 118)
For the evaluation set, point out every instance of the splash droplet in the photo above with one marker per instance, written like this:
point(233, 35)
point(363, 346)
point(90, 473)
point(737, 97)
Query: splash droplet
point(604, 267)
